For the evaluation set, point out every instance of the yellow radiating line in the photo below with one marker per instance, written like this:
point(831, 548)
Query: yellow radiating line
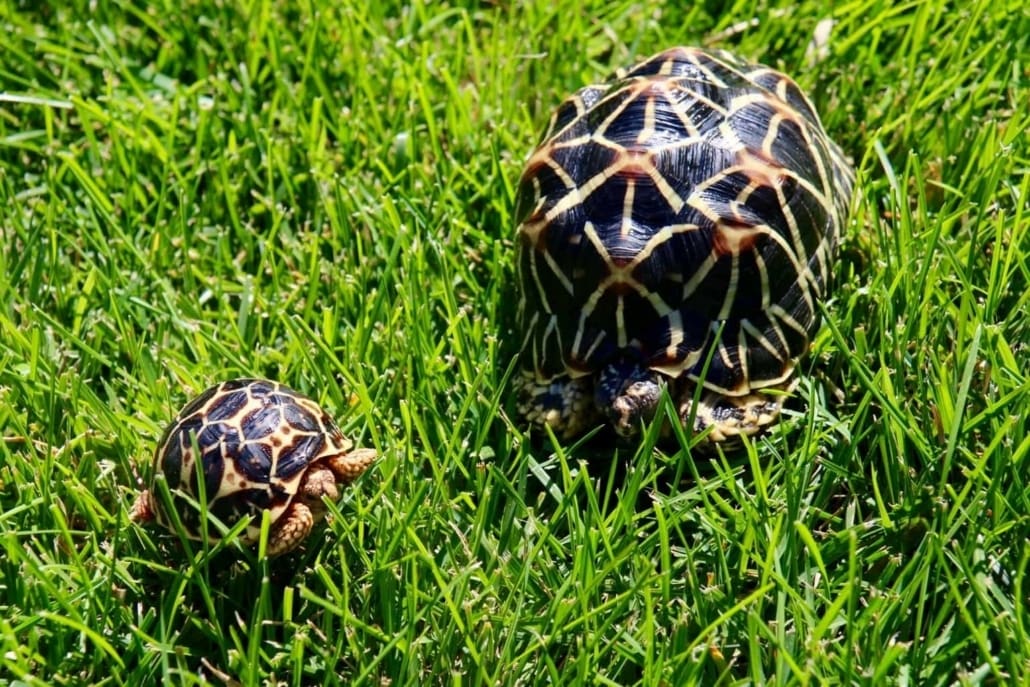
point(763, 277)
point(675, 319)
point(620, 321)
point(686, 121)
point(572, 142)
point(550, 330)
point(536, 280)
point(787, 319)
point(627, 208)
point(674, 199)
point(596, 342)
point(772, 134)
point(566, 284)
point(709, 73)
point(699, 276)
point(731, 288)
point(576, 196)
point(763, 341)
point(792, 224)
point(659, 238)
point(742, 357)
point(660, 306)
point(631, 93)
point(647, 128)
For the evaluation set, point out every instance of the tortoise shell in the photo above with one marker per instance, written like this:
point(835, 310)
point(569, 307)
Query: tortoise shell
point(252, 441)
point(684, 214)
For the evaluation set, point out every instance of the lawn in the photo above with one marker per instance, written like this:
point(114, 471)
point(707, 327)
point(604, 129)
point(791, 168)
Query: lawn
point(321, 192)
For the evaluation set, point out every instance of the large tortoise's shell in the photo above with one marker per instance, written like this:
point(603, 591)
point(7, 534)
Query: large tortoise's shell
point(691, 193)
point(252, 440)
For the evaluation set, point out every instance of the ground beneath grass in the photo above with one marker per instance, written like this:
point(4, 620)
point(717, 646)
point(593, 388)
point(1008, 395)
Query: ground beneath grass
point(321, 192)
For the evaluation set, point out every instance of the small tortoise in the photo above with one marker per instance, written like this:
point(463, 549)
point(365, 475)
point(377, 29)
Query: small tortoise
point(261, 446)
point(683, 216)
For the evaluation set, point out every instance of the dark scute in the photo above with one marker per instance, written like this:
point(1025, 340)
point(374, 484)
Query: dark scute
point(796, 305)
point(625, 128)
point(727, 374)
point(551, 189)
point(259, 423)
point(259, 388)
point(227, 406)
point(241, 383)
point(723, 198)
point(658, 338)
point(199, 402)
point(791, 150)
point(296, 456)
point(213, 465)
point(171, 460)
point(680, 254)
point(298, 417)
point(252, 459)
point(762, 364)
point(237, 505)
point(216, 442)
point(770, 81)
point(215, 434)
point(764, 202)
point(178, 438)
point(549, 362)
point(567, 113)
point(580, 163)
point(813, 216)
point(686, 167)
point(669, 125)
point(682, 64)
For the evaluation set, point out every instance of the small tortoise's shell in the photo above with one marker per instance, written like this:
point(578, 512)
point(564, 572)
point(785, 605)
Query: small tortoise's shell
point(253, 440)
point(692, 202)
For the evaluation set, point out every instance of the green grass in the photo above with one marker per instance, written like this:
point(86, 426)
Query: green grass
point(321, 192)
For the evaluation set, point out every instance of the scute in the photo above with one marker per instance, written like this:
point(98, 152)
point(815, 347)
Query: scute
point(295, 457)
point(253, 460)
point(215, 442)
point(227, 406)
point(300, 418)
point(262, 421)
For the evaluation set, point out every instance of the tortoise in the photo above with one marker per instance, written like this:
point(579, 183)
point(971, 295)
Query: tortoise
point(677, 227)
point(261, 446)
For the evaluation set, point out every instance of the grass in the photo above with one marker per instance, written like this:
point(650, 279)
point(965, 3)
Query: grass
point(321, 192)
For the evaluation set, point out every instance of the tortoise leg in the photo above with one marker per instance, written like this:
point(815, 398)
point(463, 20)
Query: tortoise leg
point(564, 404)
point(628, 394)
point(347, 467)
point(731, 417)
point(142, 508)
point(292, 527)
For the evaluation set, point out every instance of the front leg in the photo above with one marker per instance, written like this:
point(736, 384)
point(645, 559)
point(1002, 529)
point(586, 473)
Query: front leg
point(292, 527)
point(564, 404)
point(347, 467)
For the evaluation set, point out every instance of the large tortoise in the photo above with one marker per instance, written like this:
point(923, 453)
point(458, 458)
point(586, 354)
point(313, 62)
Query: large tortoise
point(677, 226)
